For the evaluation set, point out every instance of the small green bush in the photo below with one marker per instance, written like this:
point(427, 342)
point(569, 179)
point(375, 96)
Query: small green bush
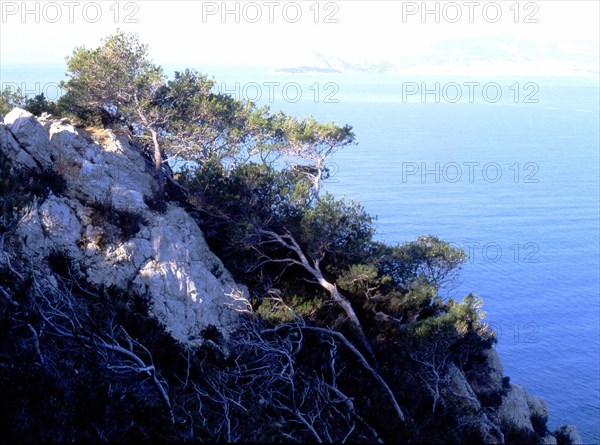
point(39, 104)
point(274, 311)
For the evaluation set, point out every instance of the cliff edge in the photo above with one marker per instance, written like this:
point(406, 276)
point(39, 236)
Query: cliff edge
point(101, 224)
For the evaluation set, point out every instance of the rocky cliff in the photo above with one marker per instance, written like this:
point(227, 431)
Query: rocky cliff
point(104, 224)
point(108, 222)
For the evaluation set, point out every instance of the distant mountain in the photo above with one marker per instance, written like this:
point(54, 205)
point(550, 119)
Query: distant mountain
point(307, 70)
point(504, 55)
point(334, 65)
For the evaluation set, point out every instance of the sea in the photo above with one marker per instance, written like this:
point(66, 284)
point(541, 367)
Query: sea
point(506, 168)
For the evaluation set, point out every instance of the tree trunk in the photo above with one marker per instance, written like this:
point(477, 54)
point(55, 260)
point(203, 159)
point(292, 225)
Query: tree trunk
point(349, 310)
point(336, 296)
point(158, 160)
point(317, 181)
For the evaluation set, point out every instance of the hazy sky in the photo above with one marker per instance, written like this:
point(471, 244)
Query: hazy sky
point(550, 37)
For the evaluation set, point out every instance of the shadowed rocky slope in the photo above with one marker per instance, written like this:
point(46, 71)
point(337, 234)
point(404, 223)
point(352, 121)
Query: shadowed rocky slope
point(103, 224)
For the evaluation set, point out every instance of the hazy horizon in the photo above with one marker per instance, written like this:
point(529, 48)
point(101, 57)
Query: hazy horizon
point(549, 38)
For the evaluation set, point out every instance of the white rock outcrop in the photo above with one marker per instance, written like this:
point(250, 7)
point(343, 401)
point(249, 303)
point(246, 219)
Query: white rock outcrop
point(167, 259)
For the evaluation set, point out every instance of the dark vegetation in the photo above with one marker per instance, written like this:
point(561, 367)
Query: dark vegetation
point(350, 341)
point(117, 225)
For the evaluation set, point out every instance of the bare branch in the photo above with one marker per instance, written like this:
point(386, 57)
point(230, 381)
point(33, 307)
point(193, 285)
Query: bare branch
point(364, 362)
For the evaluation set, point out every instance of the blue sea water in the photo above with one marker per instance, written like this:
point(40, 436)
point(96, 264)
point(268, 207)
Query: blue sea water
point(515, 184)
point(532, 236)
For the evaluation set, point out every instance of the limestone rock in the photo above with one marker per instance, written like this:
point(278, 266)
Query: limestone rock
point(521, 414)
point(514, 410)
point(166, 260)
point(11, 148)
point(31, 135)
point(487, 431)
point(539, 412)
point(567, 435)
point(486, 374)
point(60, 224)
point(461, 389)
point(548, 439)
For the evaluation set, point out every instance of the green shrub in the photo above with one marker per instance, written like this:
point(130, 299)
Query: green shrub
point(39, 104)
point(9, 99)
point(275, 311)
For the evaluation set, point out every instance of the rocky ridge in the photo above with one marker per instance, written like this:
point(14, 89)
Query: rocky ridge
point(163, 255)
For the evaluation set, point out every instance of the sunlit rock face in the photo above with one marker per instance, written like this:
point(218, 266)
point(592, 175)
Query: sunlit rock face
point(103, 223)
